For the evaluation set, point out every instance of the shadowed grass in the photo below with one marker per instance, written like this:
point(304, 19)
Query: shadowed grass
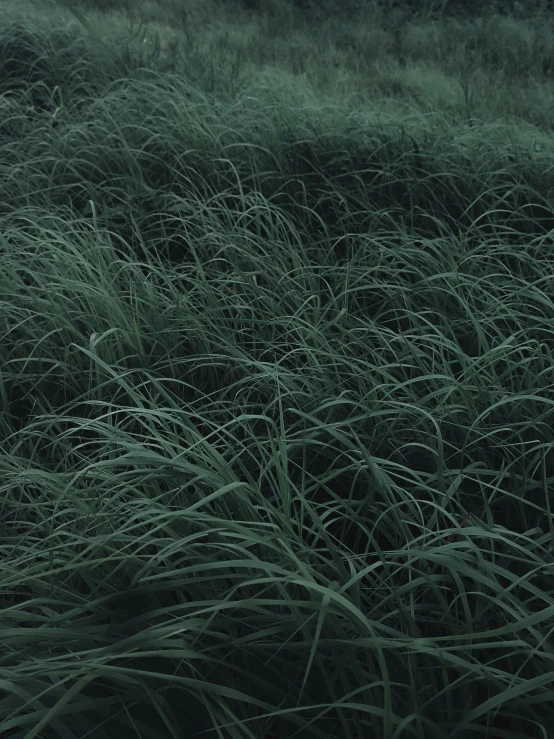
point(276, 387)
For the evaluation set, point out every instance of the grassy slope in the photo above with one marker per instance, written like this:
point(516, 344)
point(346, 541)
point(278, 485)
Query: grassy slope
point(276, 378)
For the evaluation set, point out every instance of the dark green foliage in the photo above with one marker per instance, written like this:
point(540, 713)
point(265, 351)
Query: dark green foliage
point(275, 407)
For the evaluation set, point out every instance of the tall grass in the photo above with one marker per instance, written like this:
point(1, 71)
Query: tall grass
point(276, 378)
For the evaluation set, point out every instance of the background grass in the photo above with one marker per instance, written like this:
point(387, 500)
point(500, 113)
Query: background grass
point(276, 372)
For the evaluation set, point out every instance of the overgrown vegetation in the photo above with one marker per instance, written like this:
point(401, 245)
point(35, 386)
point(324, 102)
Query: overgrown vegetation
point(276, 376)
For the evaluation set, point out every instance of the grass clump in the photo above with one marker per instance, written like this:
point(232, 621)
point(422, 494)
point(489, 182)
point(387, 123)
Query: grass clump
point(276, 385)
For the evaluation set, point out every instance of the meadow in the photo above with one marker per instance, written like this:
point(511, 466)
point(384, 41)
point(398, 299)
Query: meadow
point(276, 372)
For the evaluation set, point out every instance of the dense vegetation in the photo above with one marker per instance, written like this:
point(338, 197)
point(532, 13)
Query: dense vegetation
point(276, 375)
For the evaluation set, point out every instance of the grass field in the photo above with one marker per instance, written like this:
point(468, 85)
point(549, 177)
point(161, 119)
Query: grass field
point(276, 374)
